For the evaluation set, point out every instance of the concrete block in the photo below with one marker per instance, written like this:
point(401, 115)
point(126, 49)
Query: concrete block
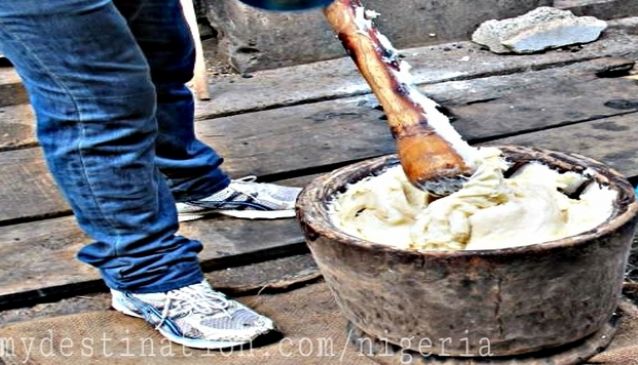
point(252, 39)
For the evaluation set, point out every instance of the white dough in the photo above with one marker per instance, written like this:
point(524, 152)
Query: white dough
point(490, 211)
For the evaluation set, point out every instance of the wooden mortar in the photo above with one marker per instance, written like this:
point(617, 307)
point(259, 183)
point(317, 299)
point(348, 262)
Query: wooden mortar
point(522, 299)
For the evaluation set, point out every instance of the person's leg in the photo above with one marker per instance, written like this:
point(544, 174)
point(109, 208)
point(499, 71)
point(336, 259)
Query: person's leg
point(90, 86)
point(192, 168)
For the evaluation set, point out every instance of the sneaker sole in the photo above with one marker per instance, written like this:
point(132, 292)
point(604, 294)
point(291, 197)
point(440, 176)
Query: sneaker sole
point(243, 214)
point(188, 342)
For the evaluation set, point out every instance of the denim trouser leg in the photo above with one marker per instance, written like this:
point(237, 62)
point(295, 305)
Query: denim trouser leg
point(192, 168)
point(91, 88)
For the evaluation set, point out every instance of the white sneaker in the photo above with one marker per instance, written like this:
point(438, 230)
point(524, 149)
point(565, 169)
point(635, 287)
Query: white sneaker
point(244, 198)
point(195, 316)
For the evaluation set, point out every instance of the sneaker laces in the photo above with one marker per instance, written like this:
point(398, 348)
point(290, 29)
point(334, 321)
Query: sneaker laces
point(194, 299)
point(248, 185)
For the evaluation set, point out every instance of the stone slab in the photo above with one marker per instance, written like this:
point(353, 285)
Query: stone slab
point(540, 29)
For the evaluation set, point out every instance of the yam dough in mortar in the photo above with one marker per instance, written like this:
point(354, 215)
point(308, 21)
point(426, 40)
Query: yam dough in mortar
point(490, 212)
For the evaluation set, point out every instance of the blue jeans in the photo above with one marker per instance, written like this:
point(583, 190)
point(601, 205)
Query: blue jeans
point(106, 79)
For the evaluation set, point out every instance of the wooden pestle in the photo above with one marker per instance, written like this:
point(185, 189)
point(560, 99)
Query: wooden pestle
point(429, 160)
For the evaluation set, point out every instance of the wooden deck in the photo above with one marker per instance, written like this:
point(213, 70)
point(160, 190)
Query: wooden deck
point(315, 118)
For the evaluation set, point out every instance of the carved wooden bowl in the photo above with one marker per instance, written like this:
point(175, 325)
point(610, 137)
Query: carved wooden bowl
point(520, 300)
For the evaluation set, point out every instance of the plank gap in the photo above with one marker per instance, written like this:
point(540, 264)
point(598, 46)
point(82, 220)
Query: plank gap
point(35, 218)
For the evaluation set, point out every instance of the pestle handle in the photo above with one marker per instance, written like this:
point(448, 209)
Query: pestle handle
point(425, 155)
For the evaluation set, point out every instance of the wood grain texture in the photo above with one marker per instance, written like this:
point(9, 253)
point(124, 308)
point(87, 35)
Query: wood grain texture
point(292, 140)
point(333, 79)
point(534, 109)
point(308, 313)
point(272, 276)
point(348, 129)
point(339, 78)
point(433, 64)
point(28, 190)
point(38, 258)
point(17, 123)
point(27, 278)
point(458, 93)
point(610, 140)
point(11, 90)
point(17, 127)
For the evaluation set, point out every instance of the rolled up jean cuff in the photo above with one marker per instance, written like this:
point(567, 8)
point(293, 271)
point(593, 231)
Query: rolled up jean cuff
point(188, 274)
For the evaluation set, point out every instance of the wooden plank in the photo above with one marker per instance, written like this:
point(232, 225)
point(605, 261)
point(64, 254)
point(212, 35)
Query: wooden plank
point(28, 190)
point(18, 121)
point(567, 103)
point(261, 278)
point(227, 242)
point(38, 258)
point(433, 64)
point(610, 140)
point(459, 93)
point(233, 94)
point(58, 239)
point(48, 268)
point(18, 125)
point(266, 277)
point(311, 138)
point(11, 90)
point(313, 327)
point(332, 132)
point(307, 315)
point(17, 128)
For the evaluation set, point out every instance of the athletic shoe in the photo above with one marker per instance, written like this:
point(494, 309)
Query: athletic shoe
point(196, 316)
point(244, 198)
